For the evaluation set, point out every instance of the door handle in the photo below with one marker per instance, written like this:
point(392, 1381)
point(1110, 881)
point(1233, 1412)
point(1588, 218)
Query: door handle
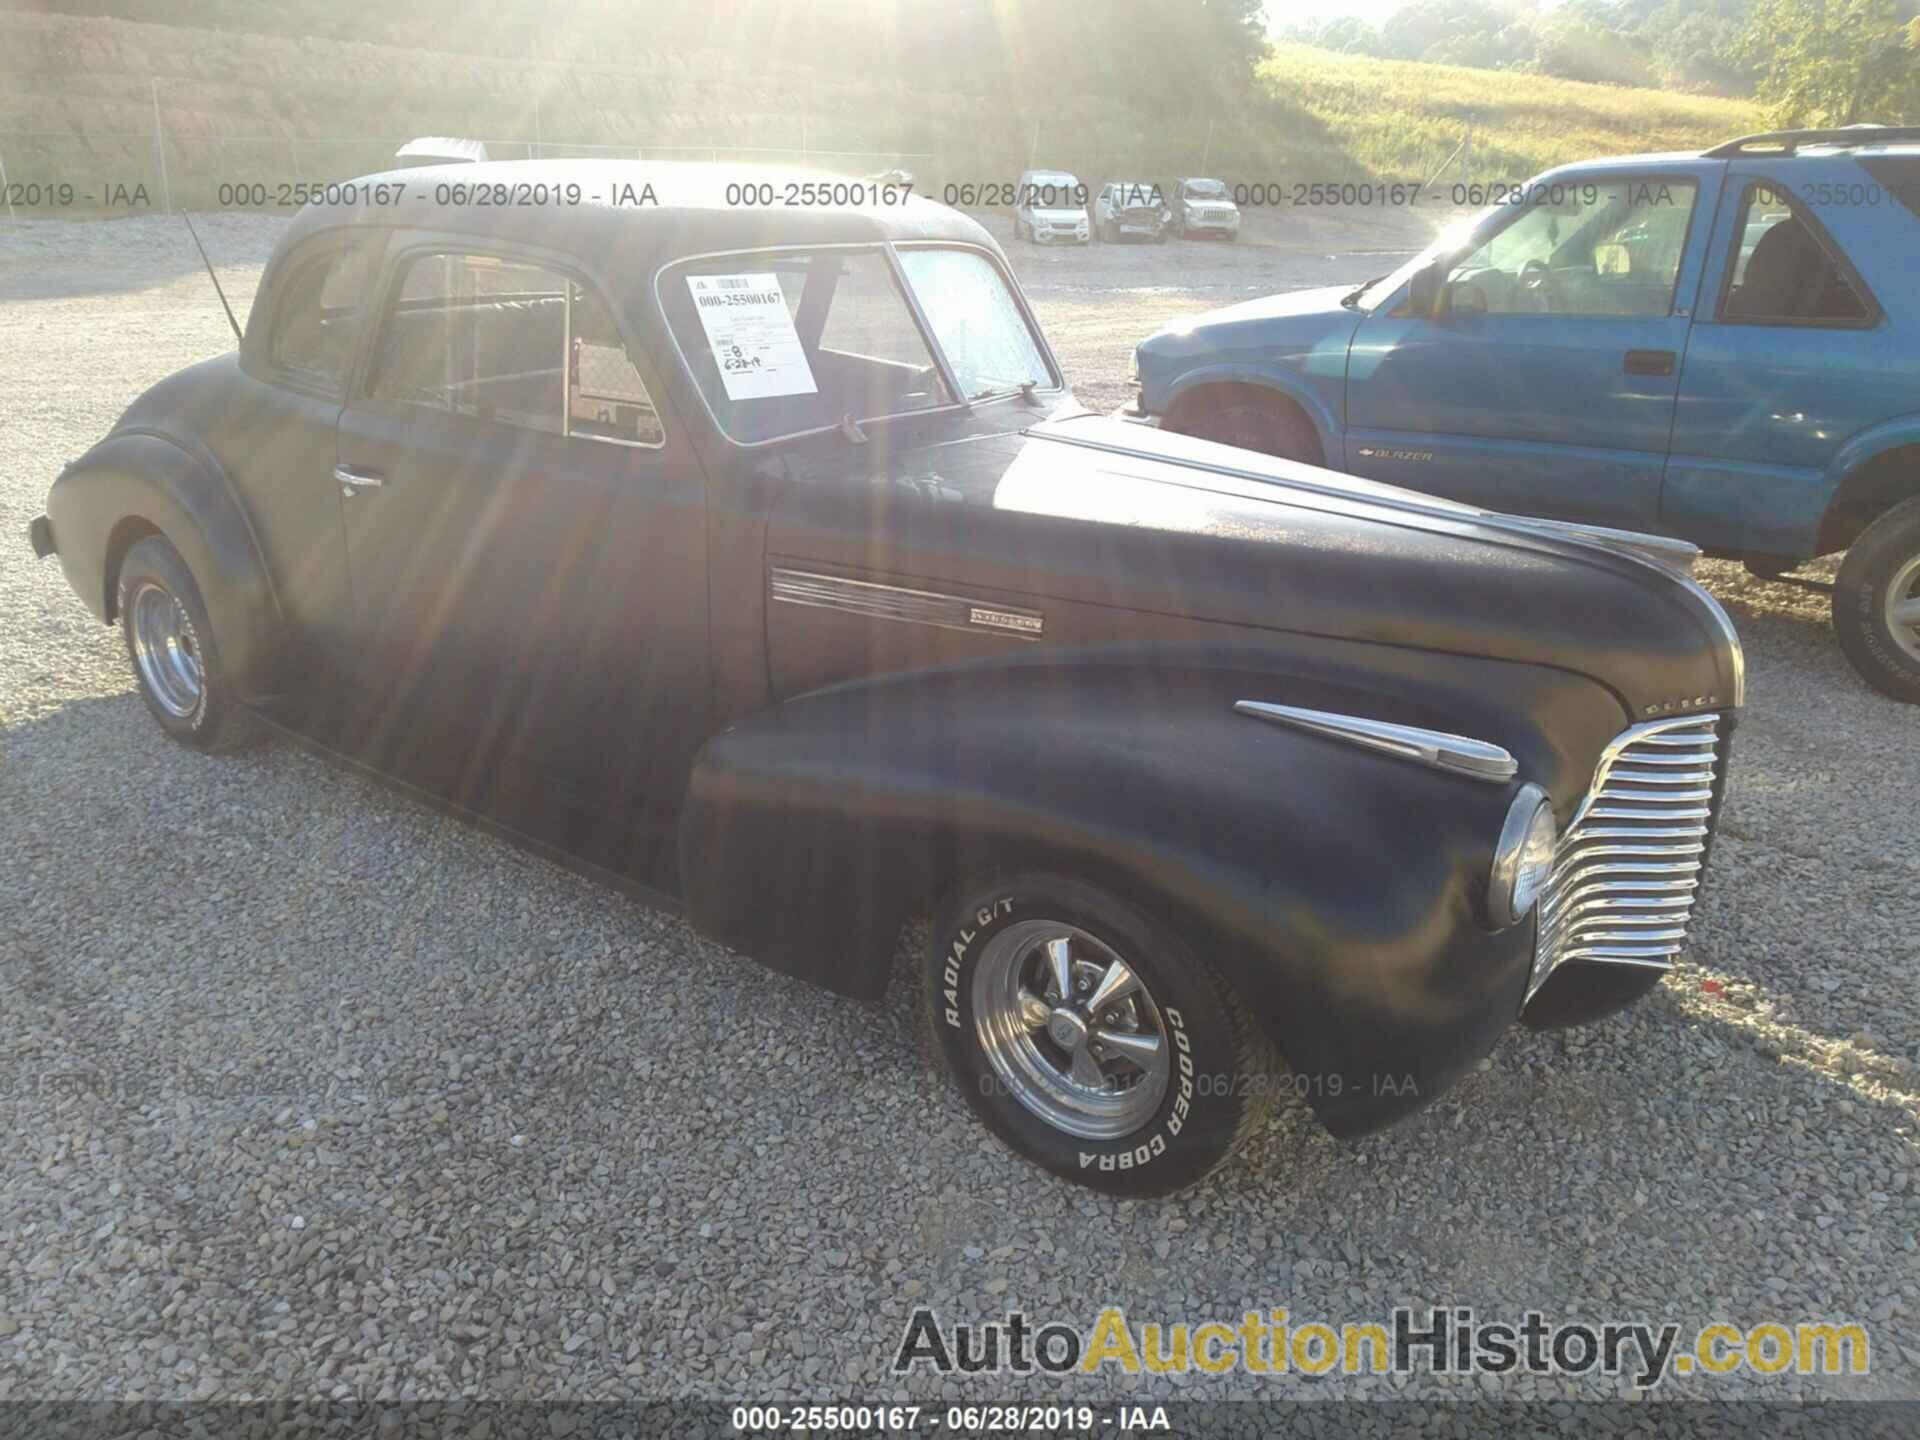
point(1649, 362)
point(352, 480)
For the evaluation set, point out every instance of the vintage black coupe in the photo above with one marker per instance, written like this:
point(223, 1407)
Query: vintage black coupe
point(758, 560)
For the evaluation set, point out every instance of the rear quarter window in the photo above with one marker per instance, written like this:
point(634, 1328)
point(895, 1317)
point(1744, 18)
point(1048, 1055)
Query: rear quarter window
point(1898, 178)
point(321, 306)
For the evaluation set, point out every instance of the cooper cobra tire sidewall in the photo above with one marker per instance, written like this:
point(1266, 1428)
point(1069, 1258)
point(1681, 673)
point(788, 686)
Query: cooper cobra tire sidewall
point(212, 724)
point(1859, 601)
point(1199, 1120)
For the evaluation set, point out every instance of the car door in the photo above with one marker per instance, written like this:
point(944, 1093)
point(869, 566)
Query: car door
point(1544, 380)
point(527, 540)
point(1792, 357)
point(279, 444)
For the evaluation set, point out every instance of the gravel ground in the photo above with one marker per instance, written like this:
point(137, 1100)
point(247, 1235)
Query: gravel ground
point(315, 1092)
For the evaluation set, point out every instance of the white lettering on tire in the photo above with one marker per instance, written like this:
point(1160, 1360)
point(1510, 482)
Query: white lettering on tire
point(957, 953)
point(1155, 1147)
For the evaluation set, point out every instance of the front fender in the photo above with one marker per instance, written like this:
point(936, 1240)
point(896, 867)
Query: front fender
point(141, 476)
point(1340, 891)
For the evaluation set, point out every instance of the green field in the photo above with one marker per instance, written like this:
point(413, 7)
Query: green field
point(1401, 118)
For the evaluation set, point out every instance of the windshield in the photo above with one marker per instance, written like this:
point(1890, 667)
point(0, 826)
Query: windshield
point(787, 342)
point(1054, 192)
point(976, 320)
point(1449, 242)
point(1206, 190)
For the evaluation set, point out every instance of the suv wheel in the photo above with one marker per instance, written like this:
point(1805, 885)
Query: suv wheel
point(1876, 603)
point(175, 657)
point(1090, 1039)
point(1250, 422)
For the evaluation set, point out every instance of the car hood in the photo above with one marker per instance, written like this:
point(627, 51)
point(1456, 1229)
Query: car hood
point(1322, 301)
point(1098, 512)
point(1308, 331)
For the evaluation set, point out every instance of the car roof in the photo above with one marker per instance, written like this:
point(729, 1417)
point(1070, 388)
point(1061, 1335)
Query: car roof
point(689, 212)
point(1859, 143)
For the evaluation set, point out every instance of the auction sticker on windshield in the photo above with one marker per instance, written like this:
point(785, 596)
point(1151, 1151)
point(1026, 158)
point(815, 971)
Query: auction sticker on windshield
point(751, 331)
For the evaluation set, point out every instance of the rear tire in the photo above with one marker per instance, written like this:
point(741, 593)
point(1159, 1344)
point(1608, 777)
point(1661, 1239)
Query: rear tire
point(1876, 603)
point(175, 654)
point(1269, 426)
point(1142, 1092)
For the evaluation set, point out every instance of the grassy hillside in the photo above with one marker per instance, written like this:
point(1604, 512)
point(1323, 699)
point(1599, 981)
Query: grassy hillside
point(236, 105)
point(1403, 118)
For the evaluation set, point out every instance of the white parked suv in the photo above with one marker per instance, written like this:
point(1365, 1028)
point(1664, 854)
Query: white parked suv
point(1051, 209)
point(1203, 206)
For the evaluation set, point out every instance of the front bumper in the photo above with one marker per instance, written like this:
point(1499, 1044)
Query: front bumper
point(40, 533)
point(1214, 225)
point(1061, 234)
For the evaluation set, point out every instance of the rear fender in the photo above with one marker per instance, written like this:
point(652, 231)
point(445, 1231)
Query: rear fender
point(139, 481)
point(1340, 891)
point(1874, 471)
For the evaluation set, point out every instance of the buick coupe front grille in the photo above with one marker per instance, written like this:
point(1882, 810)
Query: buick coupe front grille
point(1627, 869)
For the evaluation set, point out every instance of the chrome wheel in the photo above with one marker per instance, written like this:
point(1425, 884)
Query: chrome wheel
point(166, 650)
point(1070, 1029)
point(1903, 608)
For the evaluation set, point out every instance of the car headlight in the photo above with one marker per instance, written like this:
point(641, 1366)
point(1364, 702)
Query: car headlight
point(1524, 857)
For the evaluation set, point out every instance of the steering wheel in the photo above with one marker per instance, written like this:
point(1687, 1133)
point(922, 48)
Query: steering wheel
point(1534, 275)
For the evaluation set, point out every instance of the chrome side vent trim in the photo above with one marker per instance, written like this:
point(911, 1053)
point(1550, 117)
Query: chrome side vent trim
point(877, 601)
point(1628, 866)
point(1456, 754)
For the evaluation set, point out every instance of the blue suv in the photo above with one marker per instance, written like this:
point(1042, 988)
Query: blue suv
point(1723, 347)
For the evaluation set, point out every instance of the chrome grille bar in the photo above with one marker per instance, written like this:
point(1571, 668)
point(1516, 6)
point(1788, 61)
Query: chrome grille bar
point(1627, 869)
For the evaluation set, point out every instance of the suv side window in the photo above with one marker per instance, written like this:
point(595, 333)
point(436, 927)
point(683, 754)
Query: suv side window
point(318, 317)
point(1585, 247)
point(1784, 271)
point(513, 343)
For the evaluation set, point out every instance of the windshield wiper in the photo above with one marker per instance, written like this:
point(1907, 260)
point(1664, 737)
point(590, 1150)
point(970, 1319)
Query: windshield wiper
point(1024, 387)
point(1353, 298)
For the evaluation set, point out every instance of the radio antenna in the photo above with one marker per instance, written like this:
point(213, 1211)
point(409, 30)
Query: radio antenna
point(213, 277)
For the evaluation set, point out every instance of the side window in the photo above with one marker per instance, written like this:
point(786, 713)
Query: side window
point(318, 317)
point(512, 343)
point(479, 336)
point(1591, 247)
point(1783, 271)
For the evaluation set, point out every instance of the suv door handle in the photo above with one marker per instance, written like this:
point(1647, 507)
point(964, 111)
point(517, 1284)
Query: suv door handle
point(352, 480)
point(1649, 362)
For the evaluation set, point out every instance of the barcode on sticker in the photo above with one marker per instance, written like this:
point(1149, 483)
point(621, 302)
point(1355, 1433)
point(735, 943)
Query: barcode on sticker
point(730, 282)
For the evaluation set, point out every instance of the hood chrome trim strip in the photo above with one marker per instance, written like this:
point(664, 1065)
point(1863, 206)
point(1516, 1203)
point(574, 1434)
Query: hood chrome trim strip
point(1436, 749)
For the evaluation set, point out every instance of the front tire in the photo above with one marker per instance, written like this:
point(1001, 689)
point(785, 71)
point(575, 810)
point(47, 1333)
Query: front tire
point(175, 654)
point(1089, 1038)
point(1876, 603)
